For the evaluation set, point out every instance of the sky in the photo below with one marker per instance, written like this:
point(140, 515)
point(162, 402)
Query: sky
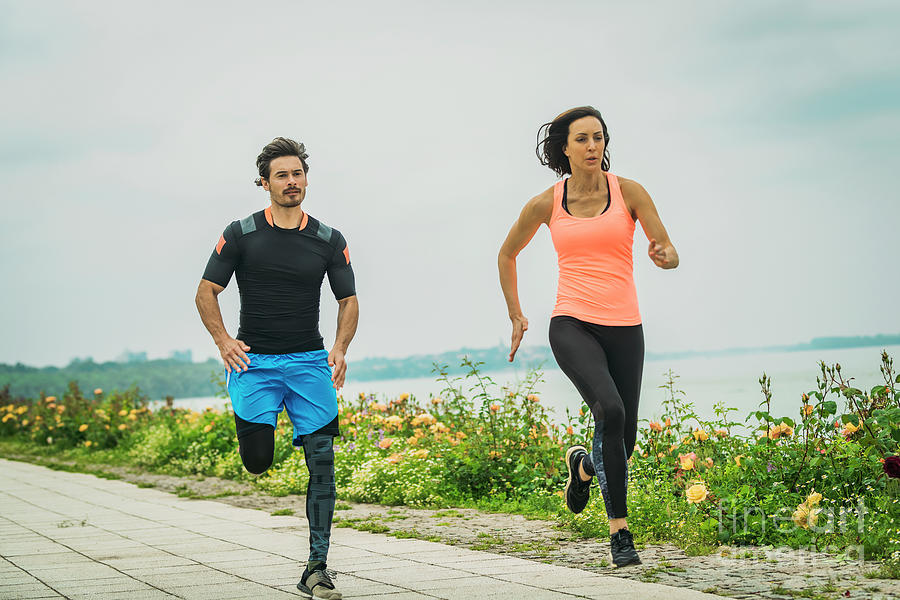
point(767, 134)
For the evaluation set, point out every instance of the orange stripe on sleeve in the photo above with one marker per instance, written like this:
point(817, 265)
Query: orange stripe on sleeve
point(269, 216)
point(347, 253)
point(220, 244)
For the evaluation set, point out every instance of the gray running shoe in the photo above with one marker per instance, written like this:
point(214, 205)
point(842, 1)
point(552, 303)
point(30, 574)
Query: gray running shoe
point(622, 545)
point(578, 492)
point(319, 584)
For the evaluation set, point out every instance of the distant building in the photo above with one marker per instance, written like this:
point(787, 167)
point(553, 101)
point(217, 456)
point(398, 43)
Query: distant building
point(132, 357)
point(182, 356)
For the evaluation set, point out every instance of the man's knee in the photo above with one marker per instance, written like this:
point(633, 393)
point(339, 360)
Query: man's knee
point(256, 460)
point(319, 452)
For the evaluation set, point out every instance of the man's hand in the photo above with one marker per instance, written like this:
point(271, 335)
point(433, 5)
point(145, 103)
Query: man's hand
point(234, 353)
point(520, 326)
point(339, 367)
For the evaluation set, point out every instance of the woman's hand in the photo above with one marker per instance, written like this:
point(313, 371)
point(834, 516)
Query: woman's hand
point(519, 327)
point(663, 257)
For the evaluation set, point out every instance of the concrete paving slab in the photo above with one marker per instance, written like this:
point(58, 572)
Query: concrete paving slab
point(94, 538)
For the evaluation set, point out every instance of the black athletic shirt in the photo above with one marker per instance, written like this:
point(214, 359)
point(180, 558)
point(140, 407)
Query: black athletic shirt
point(279, 275)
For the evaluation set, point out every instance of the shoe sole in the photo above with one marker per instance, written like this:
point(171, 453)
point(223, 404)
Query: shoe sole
point(307, 593)
point(571, 475)
point(636, 561)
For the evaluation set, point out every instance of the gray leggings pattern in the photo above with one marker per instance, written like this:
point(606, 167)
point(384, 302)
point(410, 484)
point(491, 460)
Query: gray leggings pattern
point(320, 492)
point(593, 465)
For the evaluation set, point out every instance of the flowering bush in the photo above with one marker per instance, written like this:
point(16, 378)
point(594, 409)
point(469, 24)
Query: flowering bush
point(693, 481)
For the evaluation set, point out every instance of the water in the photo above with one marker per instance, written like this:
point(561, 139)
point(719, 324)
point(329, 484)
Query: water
point(732, 380)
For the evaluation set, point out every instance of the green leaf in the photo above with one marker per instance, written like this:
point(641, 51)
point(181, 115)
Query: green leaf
point(850, 418)
point(829, 407)
point(787, 420)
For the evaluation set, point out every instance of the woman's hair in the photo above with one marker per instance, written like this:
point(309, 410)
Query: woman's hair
point(553, 136)
point(279, 147)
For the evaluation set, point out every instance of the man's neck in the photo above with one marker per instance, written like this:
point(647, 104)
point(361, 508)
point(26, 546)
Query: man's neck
point(287, 217)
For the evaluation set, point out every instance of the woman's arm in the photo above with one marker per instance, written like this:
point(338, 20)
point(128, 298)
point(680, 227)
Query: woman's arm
point(661, 250)
point(537, 211)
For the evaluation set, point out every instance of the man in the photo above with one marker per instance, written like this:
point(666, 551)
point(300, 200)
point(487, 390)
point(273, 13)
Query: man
point(280, 256)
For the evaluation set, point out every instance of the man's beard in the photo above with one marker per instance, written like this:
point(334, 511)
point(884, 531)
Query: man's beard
point(288, 201)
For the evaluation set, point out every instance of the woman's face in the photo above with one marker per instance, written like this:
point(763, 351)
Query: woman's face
point(585, 145)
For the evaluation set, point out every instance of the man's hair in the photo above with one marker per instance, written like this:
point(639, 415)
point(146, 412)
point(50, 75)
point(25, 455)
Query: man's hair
point(277, 148)
point(553, 136)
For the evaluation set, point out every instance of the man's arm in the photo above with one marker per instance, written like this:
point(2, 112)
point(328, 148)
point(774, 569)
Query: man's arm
point(347, 320)
point(233, 351)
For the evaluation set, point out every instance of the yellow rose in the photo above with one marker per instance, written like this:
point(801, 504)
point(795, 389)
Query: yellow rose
point(687, 463)
point(696, 493)
point(814, 498)
point(701, 435)
point(83, 427)
point(805, 517)
point(737, 459)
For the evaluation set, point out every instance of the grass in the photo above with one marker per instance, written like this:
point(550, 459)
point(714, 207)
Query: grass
point(889, 569)
point(282, 512)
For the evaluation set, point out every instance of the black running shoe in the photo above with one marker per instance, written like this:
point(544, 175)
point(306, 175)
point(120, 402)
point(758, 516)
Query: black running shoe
point(578, 492)
point(622, 545)
point(319, 584)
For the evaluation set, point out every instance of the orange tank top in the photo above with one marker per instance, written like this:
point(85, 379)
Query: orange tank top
point(596, 272)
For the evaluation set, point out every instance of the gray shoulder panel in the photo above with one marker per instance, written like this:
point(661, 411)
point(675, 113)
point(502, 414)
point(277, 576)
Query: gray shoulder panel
point(324, 232)
point(248, 225)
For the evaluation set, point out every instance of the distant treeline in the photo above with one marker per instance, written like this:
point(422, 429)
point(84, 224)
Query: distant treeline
point(160, 378)
point(156, 378)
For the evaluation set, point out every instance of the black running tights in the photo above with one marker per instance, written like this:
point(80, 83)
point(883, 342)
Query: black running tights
point(605, 363)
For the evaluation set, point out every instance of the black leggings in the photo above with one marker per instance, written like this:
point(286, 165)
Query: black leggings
point(256, 444)
point(605, 363)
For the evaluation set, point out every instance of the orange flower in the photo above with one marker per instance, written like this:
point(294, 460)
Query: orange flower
point(207, 429)
point(721, 433)
point(533, 398)
point(386, 443)
point(123, 412)
point(420, 453)
point(654, 426)
point(83, 427)
point(404, 397)
point(495, 407)
point(50, 399)
point(569, 430)
point(98, 391)
point(394, 458)
point(781, 430)
point(808, 409)
point(88, 444)
point(849, 429)
point(700, 435)
point(668, 422)
point(436, 401)
point(709, 462)
point(61, 408)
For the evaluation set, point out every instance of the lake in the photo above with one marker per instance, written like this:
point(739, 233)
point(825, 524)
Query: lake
point(731, 379)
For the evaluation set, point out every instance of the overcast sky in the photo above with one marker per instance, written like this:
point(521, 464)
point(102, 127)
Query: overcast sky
point(767, 133)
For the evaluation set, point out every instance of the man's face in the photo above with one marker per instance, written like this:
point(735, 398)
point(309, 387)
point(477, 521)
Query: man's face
point(286, 183)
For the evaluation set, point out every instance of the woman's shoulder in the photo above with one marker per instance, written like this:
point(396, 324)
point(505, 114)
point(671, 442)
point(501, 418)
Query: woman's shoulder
point(630, 187)
point(541, 206)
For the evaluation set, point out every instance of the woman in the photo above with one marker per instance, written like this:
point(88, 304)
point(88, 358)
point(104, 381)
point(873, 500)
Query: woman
point(595, 329)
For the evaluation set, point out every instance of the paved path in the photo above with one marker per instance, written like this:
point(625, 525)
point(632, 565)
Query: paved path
point(71, 535)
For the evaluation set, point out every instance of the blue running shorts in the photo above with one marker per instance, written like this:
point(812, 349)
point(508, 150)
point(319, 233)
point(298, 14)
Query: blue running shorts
point(299, 382)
